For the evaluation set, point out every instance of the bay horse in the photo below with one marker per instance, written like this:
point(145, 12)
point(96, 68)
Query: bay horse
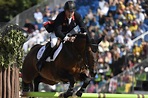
point(69, 66)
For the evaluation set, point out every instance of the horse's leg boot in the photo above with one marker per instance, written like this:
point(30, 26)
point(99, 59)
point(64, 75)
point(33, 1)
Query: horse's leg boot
point(46, 53)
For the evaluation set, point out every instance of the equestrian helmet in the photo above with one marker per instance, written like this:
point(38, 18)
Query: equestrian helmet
point(69, 5)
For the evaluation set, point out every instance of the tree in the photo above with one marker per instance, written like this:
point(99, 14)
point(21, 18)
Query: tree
point(11, 54)
point(10, 8)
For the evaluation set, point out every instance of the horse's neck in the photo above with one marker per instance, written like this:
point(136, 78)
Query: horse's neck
point(77, 48)
point(72, 51)
point(81, 46)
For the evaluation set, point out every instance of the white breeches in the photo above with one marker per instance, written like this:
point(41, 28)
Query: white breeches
point(53, 39)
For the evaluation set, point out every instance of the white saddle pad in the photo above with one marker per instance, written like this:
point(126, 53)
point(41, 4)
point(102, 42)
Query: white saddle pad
point(42, 49)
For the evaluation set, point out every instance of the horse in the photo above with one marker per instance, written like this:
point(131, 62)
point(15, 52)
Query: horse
point(70, 66)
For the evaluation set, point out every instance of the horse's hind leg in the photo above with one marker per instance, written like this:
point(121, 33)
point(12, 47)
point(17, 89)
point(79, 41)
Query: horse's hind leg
point(85, 84)
point(36, 83)
point(27, 87)
point(28, 75)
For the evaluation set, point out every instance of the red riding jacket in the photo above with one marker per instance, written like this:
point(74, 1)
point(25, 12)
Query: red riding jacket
point(62, 27)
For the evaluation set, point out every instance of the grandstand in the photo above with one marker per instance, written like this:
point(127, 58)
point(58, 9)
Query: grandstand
point(124, 49)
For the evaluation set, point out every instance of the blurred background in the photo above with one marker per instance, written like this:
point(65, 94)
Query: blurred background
point(122, 57)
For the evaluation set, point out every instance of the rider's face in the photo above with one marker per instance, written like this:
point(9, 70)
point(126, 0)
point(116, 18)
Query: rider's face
point(69, 14)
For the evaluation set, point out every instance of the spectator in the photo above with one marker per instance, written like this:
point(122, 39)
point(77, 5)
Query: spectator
point(104, 10)
point(47, 8)
point(91, 88)
point(105, 44)
point(108, 58)
point(110, 31)
point(130, 63)
point(47, 14)
point(61, 7)
point(128, 32)
point(119, 39)
point(36, 30)
point(133, 26)
point(129, 42)
point(38, 16)
point(143, 26)
point(116, 49)
point(144, 47)
point(136, 50)
point(40, 36)
point(138, 32)
point(112, 6)
point(128, 15)
point(94, 22)
point(140, 15)
point(28, 26)
point(102, 4)
point(54, 14)
point(90, 15)
point(109, 21)
point(121, 7)
point(102, 82)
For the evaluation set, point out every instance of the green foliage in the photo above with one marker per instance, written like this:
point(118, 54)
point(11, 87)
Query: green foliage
point(11, 48)
point(10, 8)
point(141, 76)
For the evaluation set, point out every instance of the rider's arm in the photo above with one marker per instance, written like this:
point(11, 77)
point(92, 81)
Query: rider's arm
point(80, 22)
point(58, 26)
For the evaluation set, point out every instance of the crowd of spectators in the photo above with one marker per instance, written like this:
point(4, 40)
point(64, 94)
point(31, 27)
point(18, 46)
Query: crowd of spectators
point(120, 20)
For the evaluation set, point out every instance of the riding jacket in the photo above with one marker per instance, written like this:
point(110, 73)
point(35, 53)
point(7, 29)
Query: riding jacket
point(63, 25)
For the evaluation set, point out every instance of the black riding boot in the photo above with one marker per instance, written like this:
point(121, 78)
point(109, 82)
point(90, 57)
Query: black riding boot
point(46, 53)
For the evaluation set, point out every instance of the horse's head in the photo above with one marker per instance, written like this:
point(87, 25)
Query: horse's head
point(82, 41)
point(82, 46)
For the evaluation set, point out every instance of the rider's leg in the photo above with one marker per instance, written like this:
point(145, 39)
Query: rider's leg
point(54, 40)
point(48, 50)
point(46, 53)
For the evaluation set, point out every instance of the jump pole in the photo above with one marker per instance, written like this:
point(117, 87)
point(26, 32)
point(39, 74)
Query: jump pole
point(84, 95)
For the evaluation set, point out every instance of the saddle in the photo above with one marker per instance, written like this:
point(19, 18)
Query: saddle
point(54, 53)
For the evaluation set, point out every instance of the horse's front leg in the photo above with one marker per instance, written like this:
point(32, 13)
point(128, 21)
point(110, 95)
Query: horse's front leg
point(70, 91)
point(85, 84)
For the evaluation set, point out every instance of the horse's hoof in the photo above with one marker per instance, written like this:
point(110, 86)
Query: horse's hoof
point(61, 95)
point(79, 93)
point(65, 95)
point(25, 90)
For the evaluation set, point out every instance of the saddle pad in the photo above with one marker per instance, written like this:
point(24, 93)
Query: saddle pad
point(55, 54)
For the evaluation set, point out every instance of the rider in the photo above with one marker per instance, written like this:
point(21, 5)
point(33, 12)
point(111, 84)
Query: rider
point(67, 20)
point(64, 23)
